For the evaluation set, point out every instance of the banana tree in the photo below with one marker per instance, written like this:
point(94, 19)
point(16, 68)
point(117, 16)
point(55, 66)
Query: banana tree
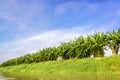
point(81, 47)
point(96, 44)
point(114, 41)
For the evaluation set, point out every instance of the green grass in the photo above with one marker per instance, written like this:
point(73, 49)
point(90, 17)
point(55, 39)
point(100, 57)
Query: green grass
point(88, 67)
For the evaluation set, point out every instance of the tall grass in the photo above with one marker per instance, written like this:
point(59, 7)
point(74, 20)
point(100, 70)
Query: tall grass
point(88, 67)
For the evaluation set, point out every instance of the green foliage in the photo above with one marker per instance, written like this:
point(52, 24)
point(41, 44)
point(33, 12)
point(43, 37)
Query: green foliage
point(81, 47)
point(114, 41)
point(72, 66)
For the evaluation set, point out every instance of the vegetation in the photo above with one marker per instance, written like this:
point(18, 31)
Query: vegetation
point(114, 41)
point(85, 69)
point(81, 47)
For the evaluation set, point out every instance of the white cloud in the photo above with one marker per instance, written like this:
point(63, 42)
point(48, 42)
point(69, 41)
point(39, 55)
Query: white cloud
point(36, 42)
point(74, 6)
point(20, 13)
point(46, 39)
point(118, 12)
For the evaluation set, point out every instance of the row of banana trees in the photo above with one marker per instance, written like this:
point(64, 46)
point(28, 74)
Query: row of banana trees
point(81, 47)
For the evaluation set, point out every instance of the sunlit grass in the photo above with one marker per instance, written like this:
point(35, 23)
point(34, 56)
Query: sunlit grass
point(74, 68)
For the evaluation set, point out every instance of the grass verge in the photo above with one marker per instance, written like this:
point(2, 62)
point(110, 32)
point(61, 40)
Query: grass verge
point(88, 67)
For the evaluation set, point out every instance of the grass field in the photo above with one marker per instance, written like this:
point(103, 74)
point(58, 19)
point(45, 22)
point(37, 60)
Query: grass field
point(91, 68)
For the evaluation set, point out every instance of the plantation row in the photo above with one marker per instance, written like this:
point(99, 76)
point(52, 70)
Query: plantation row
point(81, 47)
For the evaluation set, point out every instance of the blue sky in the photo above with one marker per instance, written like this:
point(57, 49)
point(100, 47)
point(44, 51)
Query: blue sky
point(29, 25)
